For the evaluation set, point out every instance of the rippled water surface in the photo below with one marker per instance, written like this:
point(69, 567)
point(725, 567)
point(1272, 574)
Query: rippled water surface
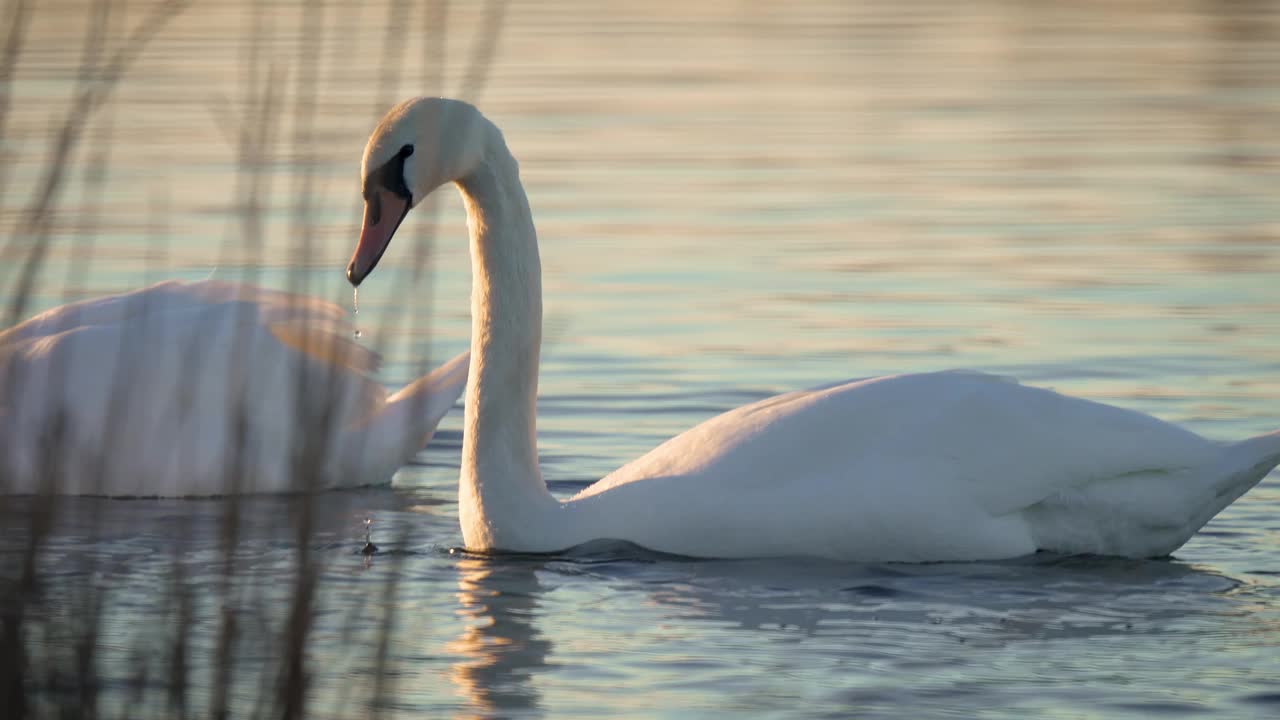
point(733, 200)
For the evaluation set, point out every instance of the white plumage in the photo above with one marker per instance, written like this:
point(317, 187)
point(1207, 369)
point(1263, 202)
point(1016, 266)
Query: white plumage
point(203, 388)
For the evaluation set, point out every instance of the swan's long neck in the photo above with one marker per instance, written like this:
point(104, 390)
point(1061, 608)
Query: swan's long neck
point(501, 495)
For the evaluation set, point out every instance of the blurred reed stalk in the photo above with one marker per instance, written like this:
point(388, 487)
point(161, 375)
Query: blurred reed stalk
point(22, 677)
point(50, 659)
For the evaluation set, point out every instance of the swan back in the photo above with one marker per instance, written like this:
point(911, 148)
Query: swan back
point(979, 426)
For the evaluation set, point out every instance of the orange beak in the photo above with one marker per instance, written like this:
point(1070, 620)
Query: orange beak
point(383, 213)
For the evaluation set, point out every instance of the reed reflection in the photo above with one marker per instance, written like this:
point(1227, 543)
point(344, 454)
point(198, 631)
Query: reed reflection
point(501, 646)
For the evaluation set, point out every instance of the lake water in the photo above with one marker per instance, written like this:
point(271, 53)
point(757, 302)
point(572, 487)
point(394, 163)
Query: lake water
point(733, 200)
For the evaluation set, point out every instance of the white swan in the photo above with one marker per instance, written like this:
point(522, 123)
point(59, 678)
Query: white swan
point(204, 388)
point(925, 467)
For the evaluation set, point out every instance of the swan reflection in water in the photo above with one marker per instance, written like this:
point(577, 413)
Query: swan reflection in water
point(883, 615)
point(501, 646)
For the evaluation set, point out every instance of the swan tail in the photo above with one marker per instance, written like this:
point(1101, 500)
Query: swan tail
point(1239, 467)
point(405, 423)
point(1246, 463)
point(419, 406)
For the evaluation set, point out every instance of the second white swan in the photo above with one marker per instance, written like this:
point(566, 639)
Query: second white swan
point(922, 467)
point(204, 388)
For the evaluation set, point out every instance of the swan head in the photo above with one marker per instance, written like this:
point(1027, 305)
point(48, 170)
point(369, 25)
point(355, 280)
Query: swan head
point(418, 146)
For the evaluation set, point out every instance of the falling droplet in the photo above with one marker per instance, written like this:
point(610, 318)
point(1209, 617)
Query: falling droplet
point(355, 303)
point(369, 548)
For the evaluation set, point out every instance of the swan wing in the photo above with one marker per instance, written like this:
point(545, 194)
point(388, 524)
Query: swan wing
point(944, 437)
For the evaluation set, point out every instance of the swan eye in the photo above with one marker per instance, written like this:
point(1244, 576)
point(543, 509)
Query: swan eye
point(390, 176)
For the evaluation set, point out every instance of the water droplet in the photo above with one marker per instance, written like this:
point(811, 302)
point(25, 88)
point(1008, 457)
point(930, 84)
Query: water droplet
point(355, 304)
point(369, 548)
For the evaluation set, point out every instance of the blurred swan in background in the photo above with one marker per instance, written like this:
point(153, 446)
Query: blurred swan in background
point(204, 388)
point(920, 467)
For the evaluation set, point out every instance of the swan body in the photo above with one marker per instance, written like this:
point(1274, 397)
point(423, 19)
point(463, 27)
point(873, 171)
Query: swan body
point(203, 388)
point(923, 467)
point(930, 466)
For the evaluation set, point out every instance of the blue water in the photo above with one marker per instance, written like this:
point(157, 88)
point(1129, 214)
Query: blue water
point(733, 200)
